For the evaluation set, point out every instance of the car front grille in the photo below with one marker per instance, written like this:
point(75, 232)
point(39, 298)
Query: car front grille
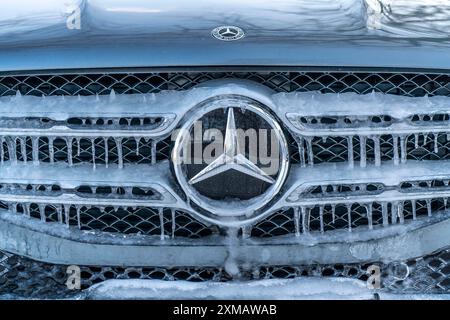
point(74, 152)
point(359, 81)
point(126, 139)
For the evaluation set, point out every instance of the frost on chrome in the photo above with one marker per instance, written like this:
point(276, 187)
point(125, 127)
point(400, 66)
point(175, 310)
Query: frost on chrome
point(17, 112)
point(314, 288)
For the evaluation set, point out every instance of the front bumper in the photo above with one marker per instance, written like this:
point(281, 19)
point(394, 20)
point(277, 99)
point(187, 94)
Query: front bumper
point(36, 257)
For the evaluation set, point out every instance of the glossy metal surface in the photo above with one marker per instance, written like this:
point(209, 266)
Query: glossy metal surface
point(231, 159)
point(172, 33)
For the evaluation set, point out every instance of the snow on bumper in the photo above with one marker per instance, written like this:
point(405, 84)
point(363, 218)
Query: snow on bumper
point(286, 289)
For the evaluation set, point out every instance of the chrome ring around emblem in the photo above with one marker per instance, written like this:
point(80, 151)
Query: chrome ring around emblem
point(228, 33)
point(230, 160)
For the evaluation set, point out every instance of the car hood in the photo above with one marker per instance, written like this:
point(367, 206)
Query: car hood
point(169, 33)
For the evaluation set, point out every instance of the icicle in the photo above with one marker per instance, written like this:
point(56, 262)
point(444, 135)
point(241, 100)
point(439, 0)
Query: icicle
point(414, 209)
point(173, 223)
point(321, 219)
point(349, 217)
point(138, 140)
point(445, 202)
point(78, 146)
point(394, 212)
point(428, 201)
point(309, 151)
point(305, 219)
point(23, 149)
point(119, 151)
point(333, 213)
point(350, 151)
point(400, 213)
point(97, 98)
point(362, 144)
point(93, 152)
point(436, 147)
point(297, 221)
point(377, 151)
point(112, 95)
point(425, 138)
point(78, 209)
point(402, 149)
point(416, 141)
point(161, 221)
point(18, 94)
point(153, 152)
point(35, 149)
point(2, 151)
point(67, 215)
point(246, 231)
point(395, 149)
point(11, 149)
point(42, 211)
point(105, 140)
point(59, 210)
point(69, 151)
point(26, 209)
point(384, 213)
point(51, 150)
point(369, 215)
point(301, 151)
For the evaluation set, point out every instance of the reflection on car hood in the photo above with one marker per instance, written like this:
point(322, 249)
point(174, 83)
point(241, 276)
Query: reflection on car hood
point(167, 25)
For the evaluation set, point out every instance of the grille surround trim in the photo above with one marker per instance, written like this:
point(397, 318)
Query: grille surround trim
point(57, 245)
point(264, 95)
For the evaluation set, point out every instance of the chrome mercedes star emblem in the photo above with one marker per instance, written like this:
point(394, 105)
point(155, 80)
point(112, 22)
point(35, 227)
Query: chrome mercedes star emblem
point(231, 158)
point(228, 33)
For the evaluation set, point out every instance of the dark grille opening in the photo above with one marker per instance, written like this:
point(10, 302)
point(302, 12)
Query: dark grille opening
point(331, 149)
point(407, 84)
point(335, 149)
point(122, 220)
point(345, 216)
point(338, 189)
point(278, 224)
point(439, 117)
point(408, 186)
point(83, 150)
point(87, 191)
point(118, 123)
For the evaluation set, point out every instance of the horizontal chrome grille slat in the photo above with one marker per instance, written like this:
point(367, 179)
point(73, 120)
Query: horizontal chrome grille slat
point(389, 194)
